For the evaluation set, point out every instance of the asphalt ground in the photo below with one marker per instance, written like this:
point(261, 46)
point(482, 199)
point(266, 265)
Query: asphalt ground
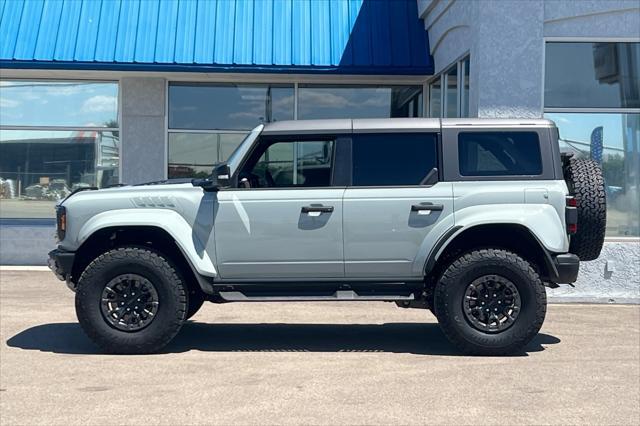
point(311, 363)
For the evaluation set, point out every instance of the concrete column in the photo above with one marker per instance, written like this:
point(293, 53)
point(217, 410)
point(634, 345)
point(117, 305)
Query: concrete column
point(507, 59)
point(142, 131)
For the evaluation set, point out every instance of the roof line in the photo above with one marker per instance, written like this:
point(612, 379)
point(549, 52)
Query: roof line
point(229, 68)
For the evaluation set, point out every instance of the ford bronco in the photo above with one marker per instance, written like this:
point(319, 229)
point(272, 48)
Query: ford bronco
point(469, 218)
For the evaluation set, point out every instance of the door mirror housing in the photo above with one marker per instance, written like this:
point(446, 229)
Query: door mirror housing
point(220, 178)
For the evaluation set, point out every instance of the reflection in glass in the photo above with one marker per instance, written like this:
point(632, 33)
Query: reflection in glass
point(40, 167)
point(613, 140)
point(592, 75)
point(435, 109)
point(194, 154)
point(58, 103)
point(333, 101)
point(228, 106)
point(451, 92)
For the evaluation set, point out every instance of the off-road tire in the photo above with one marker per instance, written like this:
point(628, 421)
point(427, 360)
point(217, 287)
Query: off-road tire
point(196, 299)
point(450, 293)
point(172, 307)
point(586, 183)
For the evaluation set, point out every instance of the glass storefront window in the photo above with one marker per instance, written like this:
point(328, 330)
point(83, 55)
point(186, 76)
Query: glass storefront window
point(613, 140)
point(228, 106)
point(451, 92)
point(434, 99)
point(592, 75)
point(58, 103)
point(55, 136)
point(40, 167)
point(340, 101)
point(194, 154)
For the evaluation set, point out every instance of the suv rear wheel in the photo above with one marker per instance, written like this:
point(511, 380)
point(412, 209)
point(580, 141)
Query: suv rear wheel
point(490, 302)
point(131, 300)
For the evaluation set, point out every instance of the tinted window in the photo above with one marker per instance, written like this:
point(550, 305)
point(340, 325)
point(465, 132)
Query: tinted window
point(291, 164)
point(393, 158)
point(499, 153)
point(228, 106)
point(591, 75)
point(342, 101)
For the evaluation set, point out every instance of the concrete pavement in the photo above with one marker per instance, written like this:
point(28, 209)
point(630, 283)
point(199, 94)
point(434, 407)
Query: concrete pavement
point(315, 363)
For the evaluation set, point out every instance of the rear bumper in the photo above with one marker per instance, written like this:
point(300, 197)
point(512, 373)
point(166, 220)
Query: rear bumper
point(61, 263)
point(565, 268)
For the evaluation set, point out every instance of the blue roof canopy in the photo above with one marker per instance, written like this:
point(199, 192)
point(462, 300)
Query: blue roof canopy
point(383, 37)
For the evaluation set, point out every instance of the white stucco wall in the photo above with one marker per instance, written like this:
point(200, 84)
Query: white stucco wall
point(505, 39)
point(143, 129)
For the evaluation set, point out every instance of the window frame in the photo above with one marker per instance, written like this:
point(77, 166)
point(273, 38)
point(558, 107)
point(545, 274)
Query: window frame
point(439, 159)
point(337, 160)
point(441, 78)
point(451, 156)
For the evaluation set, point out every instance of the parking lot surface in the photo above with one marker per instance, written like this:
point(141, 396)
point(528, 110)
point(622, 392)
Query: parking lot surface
point(322, 363)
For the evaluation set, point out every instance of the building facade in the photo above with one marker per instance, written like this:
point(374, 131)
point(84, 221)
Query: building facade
point(95, 93)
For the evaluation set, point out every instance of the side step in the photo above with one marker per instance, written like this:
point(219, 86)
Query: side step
point(340, 295)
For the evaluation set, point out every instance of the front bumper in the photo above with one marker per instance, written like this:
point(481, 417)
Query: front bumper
point(564, 268)
point(61, 263)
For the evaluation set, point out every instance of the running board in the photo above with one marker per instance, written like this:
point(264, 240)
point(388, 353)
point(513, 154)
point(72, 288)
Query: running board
point(340, 295)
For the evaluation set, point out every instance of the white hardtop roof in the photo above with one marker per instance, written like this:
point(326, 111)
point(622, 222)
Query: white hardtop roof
point(367, 125)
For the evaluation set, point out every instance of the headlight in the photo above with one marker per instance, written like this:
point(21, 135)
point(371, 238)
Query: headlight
point(61, 222)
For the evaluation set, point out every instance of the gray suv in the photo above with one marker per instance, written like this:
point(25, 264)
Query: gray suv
point(469, 218)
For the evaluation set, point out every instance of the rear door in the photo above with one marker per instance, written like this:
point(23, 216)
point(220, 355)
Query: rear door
point(395, 207)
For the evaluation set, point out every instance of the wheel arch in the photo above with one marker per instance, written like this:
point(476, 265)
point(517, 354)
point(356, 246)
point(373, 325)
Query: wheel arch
point(514, 237)
point(153, 237)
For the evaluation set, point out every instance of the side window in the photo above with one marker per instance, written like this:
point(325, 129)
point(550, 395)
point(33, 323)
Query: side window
point(389, 159)
point(499, 154)
point(290, 164)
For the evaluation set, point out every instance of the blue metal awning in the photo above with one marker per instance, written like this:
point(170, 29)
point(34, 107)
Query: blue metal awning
point(382, 37)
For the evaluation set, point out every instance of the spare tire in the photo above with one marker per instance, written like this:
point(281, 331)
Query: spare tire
point(586, 183)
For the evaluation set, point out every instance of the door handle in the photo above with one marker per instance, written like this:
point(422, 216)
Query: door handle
point(317, 209)
point(426, 208)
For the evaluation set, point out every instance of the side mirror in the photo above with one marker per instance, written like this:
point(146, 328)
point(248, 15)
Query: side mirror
point(220, 178)
point(222, 174)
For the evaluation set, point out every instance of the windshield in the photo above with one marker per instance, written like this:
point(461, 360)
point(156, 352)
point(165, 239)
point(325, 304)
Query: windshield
point(242, 149)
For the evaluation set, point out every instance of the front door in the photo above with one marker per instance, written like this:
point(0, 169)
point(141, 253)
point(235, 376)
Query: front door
point(395, 208)
point(285, 218)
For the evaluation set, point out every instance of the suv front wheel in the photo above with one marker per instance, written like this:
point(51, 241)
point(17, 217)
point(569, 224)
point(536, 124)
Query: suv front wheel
point(490, 302)
point(131, 300)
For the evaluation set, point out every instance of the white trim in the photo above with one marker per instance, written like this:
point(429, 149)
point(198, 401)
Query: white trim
point(28, 268)
point(208, 131)
point(592, 39)
point(119, 113)
point(295, 100)
point(426, 95)
point(203, 77)
point(594, 110)
point(166, 128)
point(62, 128)
point(622, 239)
